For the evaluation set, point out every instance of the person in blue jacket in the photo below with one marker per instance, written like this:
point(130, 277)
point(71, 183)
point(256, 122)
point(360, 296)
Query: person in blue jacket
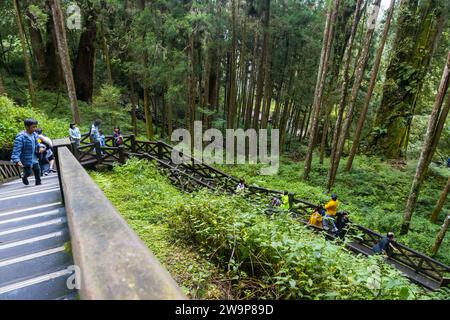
point(26, 150)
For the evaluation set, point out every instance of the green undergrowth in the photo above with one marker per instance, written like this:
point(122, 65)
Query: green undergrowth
point(11, 122)
point(374, 193)
point(218, 246)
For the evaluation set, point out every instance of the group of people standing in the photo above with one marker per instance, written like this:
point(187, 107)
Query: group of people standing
point(33, 151)
point(95, 134)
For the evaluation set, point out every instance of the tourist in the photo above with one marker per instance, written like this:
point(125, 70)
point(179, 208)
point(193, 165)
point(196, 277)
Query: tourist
point(241, 186)
point(316, 218)
point(94, 131)
point(385, 245)
point(26, 150)
point(74, 134)
point(117, 137)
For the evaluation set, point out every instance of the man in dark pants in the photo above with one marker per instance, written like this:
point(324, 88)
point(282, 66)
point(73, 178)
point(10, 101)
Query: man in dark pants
point(26, 150)
point(385, 245)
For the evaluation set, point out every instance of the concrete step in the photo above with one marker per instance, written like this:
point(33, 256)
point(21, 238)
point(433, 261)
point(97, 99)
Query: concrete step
point(33, 198)
point(47, 286)
point(33, 230)
point(13, 249)
point(30, 218)
point(32, 210)
point(29, 266)
point(18, 184)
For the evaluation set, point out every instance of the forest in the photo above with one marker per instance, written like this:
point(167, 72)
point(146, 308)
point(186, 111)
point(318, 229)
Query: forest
point(356, 89)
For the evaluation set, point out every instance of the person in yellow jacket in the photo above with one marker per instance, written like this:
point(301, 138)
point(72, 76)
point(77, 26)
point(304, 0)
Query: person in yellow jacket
point(332, 205)
point(316, 218)
point(285, 201)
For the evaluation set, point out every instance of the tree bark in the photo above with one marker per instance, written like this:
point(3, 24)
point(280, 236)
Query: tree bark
point(321, 76)
point(2, 86)
point(106, 54)
point(26, 56)
point(440, 236)
point(84, 65)
point(413, 46)
point(373, 78)
point(434, 130)
point(61, 40)
point(133, 104)
point(440, 203)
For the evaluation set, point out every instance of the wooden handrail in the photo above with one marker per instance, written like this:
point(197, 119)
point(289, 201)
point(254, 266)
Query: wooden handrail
point(114, 262)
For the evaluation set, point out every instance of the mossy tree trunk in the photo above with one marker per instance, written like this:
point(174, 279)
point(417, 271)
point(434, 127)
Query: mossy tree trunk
point(413, 46)
point(440, 236)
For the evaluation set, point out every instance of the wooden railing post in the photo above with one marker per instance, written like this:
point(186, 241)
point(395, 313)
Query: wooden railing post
point(133, 143)
point(98, 152)
point(291, 199)
point(121, 154)
point(160, 149)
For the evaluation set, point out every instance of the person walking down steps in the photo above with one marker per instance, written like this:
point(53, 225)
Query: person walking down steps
point(26, 151)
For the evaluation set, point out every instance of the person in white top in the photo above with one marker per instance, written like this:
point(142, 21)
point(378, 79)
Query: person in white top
point(74, 133)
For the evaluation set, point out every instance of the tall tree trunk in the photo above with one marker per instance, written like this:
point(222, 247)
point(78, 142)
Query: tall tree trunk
point(37, 43)
point(413, 46)
point(63, 51)
point(52, 76)
point(262, 64)
point(84, 65)
point(191, 91)
point(321, 76)
point(134, 103)
point(26, 57)
point(440, 236)
point(308, 121)
point(440, 203)
point(233, 57)
point(361, 65)
point(106, 53)
point(2, 86)
point(373, 78)
point(344, 85)
point(252, 85)
point(434, 130)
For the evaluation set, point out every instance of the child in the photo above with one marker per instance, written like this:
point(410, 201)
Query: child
point(74, 134)
point(118, 139)
point(101, 138)
point(26, 151)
